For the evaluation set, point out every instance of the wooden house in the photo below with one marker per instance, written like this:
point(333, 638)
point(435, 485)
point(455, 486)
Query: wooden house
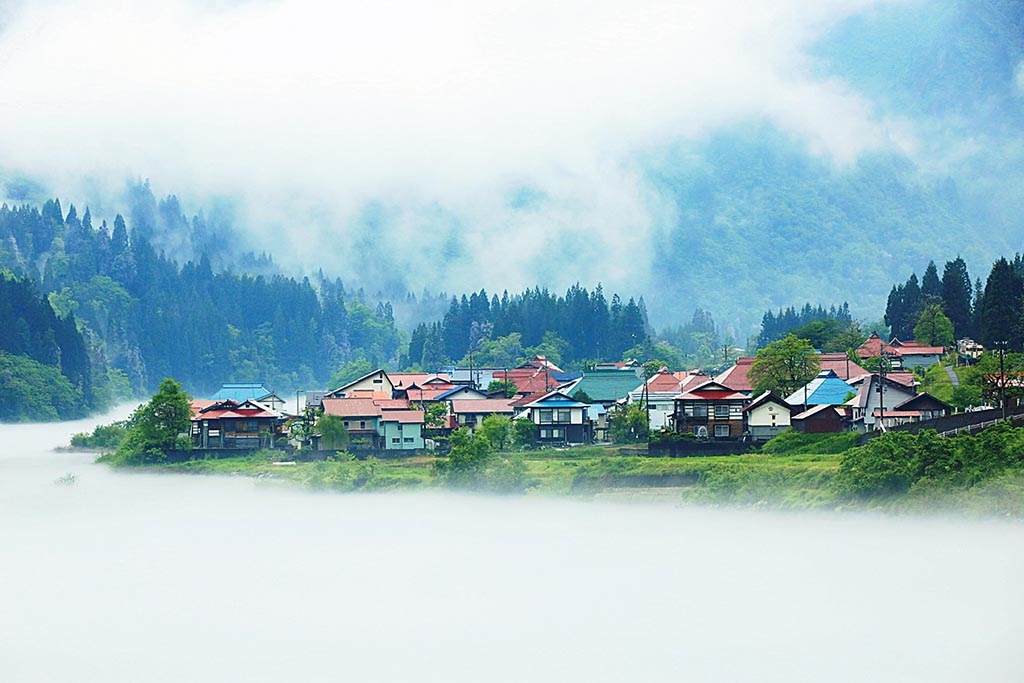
point(710, 410)
point(229, 424)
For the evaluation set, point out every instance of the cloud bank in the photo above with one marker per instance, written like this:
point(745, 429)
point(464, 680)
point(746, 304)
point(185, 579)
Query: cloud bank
point(482, 140)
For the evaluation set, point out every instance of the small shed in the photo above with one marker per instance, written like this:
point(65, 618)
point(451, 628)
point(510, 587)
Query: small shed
point(823, 419)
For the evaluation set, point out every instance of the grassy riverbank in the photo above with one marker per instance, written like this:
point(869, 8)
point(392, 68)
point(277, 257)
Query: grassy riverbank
point(785, 481)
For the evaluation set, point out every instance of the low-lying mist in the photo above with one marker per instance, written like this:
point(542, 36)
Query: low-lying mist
point(142, 577)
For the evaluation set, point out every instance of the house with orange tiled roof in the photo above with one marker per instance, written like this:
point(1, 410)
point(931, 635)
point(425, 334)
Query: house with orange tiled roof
point(378, 424)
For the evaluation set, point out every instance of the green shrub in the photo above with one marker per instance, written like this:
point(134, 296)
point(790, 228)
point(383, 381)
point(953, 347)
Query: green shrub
point(796, 443)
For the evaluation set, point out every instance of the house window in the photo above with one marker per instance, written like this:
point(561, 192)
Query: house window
point(399, 427)
point(722, 411)
point(378, 381)
point(558, 433)
point(407, 439)
point(395, 439)
point(700, 409)
point(346, 424)
point(362, 424)
point(721, 431)
point(545, 416)
point(564, 416)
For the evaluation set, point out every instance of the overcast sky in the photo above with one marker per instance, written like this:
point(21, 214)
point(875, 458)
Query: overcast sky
point(443, 112)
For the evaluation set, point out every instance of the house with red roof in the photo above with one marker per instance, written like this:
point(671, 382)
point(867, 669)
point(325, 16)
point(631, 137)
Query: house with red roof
point(660, 391)
point(710, 410)
point(737, 379)
point(903, 355)
point(229, 424)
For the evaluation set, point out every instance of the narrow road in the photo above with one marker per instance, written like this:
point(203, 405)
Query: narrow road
point(953, 379)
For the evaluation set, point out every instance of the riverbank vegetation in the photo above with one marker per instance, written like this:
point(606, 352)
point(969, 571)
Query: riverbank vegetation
point(895, 472)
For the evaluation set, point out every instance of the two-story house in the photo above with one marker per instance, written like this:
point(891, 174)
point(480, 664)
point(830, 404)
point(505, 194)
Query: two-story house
point(559, 418)
point(710, 410)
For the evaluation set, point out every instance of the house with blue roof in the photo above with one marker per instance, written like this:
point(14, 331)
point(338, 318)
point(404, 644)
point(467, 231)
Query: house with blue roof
point(240, 392)
point(827, 389)
point(559, 419)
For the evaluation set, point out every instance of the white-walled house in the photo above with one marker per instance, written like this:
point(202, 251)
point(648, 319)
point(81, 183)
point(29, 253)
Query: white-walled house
point(767, 416)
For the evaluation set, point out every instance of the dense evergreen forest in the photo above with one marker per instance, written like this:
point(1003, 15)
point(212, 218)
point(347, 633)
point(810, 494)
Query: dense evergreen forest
point(142, 317)
point(576, 327)
point(100, 306)
point(45, 369)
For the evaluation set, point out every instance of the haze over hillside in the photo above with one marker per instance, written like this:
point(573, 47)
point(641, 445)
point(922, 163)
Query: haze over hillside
point(799, 152)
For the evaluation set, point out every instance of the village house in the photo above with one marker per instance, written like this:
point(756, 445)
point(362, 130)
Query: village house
point(767, 416)
point(868, 400)
point(902, 355)
point(378, 424)
point(660, 391)
point(608, 383)
point(228, 424)
point(916, 409)
point(559, 419)
point(250, 391)
point(710, 410)
point(969, 349)
point(825, 389)
point(470, 413)
point(538, 375)
point(375, 384)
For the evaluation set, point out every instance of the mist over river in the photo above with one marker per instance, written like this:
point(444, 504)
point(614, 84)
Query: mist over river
point(145, 577)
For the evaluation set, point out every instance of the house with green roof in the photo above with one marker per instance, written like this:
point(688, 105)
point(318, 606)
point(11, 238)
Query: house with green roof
point(609, 383)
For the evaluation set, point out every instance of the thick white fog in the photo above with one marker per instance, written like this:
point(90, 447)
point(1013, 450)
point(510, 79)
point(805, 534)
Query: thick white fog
point(444, 114)
point(135, 577)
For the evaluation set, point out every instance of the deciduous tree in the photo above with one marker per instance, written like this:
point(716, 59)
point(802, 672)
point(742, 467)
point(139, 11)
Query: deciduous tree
point(784, 366)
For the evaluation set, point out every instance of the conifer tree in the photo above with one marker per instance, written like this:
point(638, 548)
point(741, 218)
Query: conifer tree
point(931, 286)
point(956, 296)
point(1001, 307)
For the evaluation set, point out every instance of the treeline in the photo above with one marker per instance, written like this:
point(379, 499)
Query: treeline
point(831, 329)
point(992, 313)
point(953, 294)
point(144, 315)
point(579, 325)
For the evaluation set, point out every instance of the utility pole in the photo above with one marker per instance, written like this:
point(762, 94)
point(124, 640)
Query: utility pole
point(883, 362)
point(647, 404)
point(1001, 345)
